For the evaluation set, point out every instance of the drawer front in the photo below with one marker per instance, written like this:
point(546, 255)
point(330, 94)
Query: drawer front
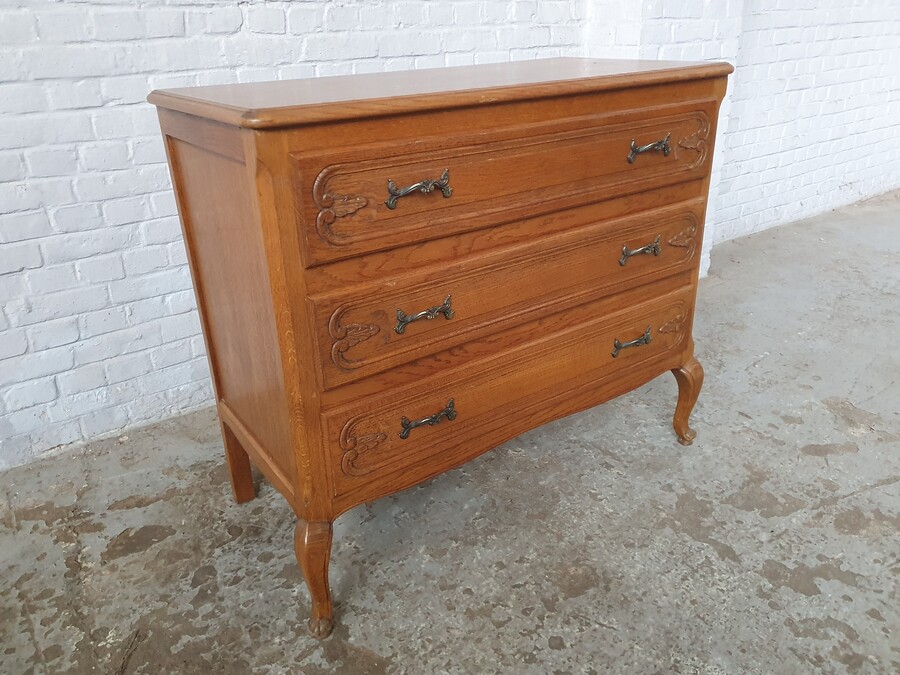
point(380, 327)
point(377, 198)
point(437, 425)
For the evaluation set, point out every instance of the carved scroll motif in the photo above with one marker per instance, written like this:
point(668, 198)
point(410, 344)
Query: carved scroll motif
point(676, 325)
point(331, 207)
point(698, 141)
point(356, 448)
point(687, 238)
point(346, 337)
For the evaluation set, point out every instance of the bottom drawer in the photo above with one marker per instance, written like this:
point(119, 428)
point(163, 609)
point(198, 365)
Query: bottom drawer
point(379, 444)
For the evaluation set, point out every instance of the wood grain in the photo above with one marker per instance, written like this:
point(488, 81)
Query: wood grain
point(500, 390)
point(690, 379)
point(266, 105)
point(300, 266)
point(228, 266)
point(357, 327)
point(312, 544)
point(547, 167)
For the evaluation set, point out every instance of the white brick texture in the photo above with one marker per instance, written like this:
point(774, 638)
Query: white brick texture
point(98, 325)
point(813, 110)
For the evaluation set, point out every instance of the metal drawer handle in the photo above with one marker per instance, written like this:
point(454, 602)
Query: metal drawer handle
point(423, 186)
point(449, 412)
point(643, 340)
point(430, 313)
point(655, 146)
point(653, 248)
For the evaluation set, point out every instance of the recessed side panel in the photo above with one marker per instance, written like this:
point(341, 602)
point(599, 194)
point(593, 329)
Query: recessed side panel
point(232, 284)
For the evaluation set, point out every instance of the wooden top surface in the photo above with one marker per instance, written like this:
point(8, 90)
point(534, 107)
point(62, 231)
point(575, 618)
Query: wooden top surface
point(263, 105)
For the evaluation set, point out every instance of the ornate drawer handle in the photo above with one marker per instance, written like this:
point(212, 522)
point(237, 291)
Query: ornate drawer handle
point(656, 145)
point(430, 313)
point(643, 340)
point(653, 248)
point(423, 186)
point(449, 412)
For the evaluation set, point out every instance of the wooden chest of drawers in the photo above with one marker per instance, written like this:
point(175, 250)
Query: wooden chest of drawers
point(398, 272)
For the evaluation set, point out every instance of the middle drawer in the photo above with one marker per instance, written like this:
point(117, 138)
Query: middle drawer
point(374, 328)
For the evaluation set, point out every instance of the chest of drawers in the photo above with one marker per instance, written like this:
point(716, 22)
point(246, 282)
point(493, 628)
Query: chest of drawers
point(398, 272)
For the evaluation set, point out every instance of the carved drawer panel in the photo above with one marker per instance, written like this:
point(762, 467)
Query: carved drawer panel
point(371, 330)
point(424, 429)
point(378, 197)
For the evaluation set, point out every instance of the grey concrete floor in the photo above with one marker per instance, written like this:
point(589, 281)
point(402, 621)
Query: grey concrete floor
point(593, 544)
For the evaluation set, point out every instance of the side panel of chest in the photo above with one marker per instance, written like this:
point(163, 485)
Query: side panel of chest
point(230, 270)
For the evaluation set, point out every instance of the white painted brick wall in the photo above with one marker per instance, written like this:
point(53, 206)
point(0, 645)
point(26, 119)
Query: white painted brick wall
point(698, 30)
point(98, 328)
point(815, 111)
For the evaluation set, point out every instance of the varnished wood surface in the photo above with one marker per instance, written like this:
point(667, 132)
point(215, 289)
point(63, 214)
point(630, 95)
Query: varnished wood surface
point(430, 261)
point(238, 466)
point(290, 102)
point(545, 168)
point(445, 131)
point(312, 544)
point(300, 267)
point(500, 391)
point(433, 369)
point(690, 379)
point(357, 334)
point(229, 266)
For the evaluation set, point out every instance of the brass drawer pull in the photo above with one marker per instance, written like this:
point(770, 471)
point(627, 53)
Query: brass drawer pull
point(643, 340)
point(449, 412)
point(655, 146)
point(430, 313)
point(653, 248)
point(423, 186)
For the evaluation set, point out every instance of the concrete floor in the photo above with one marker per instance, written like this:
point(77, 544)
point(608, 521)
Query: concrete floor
point(595, 544)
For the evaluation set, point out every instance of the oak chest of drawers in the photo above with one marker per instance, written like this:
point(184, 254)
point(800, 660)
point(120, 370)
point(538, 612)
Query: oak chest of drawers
point(398, 272)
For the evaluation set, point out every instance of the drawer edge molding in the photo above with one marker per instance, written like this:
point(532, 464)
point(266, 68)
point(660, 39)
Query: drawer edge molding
point(361, 442)
point(333, 205)
point(345, 337)
point(338, 194)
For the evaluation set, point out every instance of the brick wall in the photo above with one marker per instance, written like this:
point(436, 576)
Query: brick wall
point(98, 328)
point(814, 115)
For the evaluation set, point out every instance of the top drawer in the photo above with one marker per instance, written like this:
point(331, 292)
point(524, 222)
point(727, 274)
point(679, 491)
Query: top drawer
point(384, 196)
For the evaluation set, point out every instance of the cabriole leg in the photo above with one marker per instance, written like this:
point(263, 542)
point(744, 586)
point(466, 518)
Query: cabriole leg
point(690, 380)
point(312, 543)
point(238, 467)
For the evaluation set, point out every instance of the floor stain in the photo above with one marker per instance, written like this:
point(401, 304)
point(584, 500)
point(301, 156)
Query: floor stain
point(820, 629)
point(141, 501)
point(576, 579)
point(694, 517)
point(131, 541)
point(826, 449)
point(850, 415)
point(753, 497)
point(802, 578)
